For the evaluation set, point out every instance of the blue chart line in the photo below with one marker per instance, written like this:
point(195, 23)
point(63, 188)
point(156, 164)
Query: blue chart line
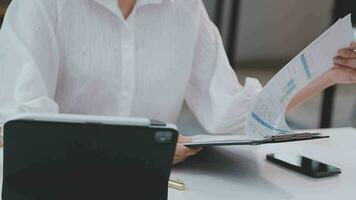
point(290, 90)
point(306, 66)
point(291, 83)
point(291, 86)
point(265, 124)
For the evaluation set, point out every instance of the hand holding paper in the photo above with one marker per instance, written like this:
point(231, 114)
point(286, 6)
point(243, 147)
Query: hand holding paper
point(267, 114)
point(266, 119)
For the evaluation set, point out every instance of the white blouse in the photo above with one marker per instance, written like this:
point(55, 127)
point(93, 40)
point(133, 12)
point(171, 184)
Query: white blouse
point(83, 57)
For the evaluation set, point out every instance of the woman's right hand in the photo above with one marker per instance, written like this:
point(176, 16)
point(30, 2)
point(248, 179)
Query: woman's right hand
point(183, 152)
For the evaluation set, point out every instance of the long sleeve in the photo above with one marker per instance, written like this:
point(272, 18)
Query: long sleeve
point(214, 93)
point(28, 58)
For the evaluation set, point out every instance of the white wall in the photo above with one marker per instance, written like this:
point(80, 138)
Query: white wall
point(275, 30)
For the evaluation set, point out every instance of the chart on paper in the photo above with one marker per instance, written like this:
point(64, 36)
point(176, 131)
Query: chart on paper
point(266, 122)
point(267, 113)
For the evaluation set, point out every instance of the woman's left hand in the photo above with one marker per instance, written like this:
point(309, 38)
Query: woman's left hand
point(344, 70)
point(183, 152)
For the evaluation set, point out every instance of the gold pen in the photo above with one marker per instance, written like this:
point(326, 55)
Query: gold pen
point(176, 184)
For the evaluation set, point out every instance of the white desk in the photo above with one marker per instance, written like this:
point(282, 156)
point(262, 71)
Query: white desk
point(233, 173)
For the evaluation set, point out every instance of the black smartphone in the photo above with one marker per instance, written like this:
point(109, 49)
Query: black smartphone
point(304, 165)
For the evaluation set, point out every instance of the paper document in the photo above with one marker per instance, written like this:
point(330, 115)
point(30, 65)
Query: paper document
point(266, 117)
point(267, 114)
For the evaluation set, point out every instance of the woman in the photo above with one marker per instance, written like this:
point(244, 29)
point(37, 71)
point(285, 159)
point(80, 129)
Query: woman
point(138, 58)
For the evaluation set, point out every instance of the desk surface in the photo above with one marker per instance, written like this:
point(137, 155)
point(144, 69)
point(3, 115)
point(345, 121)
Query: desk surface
point(243, 173)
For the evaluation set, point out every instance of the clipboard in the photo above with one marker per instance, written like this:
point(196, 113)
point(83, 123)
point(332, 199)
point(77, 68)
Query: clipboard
point(281, 138)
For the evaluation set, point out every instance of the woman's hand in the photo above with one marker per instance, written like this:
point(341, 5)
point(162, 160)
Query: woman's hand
point(183, 152)
point(344, 71)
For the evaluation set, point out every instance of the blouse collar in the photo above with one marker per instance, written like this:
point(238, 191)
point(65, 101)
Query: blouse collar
point(138, 3)
point(113, 7)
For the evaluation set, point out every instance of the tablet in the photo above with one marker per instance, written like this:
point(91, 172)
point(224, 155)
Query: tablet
point(86, 157)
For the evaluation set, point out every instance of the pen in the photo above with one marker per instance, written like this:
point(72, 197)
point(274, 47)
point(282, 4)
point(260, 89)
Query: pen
point(176, 184)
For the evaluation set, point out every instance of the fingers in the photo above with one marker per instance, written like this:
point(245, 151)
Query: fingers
point(347, 56)
point(196, 150)
point(183, 152)
point(183, 139)
point(347, 53)
point(353, 45)
point(347, 62)
point(178, 159)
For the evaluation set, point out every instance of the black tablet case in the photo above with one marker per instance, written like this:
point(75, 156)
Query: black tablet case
point(51, 160)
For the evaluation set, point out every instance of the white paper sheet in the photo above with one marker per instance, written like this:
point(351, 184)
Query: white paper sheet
point(267, 114)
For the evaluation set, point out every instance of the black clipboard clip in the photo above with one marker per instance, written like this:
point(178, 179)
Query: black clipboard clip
point(294, 137)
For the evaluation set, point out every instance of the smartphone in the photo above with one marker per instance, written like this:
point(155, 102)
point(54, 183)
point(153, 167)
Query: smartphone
point(304, 165)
